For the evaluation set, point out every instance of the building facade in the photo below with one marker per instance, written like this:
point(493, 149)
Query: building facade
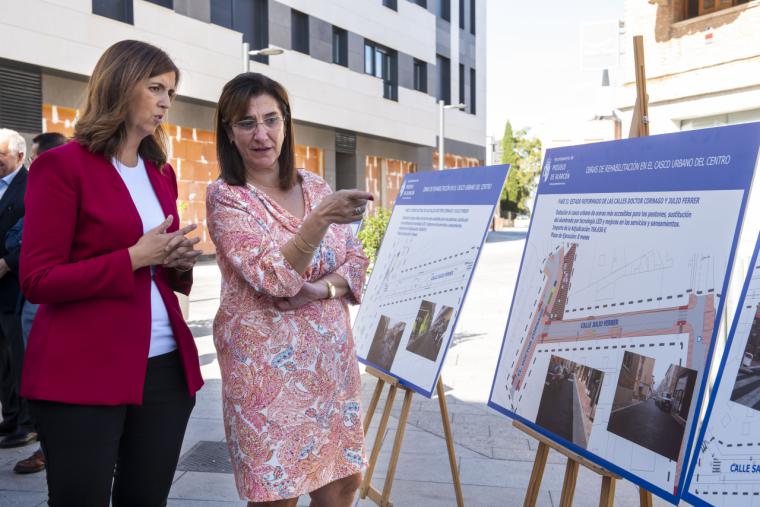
point(702, 62)
point(364, 78)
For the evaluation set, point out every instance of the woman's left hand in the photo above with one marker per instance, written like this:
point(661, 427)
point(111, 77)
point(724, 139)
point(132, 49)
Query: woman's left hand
point(182, 256)
point(308, 293)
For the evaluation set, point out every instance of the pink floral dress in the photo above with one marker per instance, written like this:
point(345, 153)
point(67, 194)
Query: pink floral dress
point(290, 380)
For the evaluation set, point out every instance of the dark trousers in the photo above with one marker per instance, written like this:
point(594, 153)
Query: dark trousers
point(125, 453)
point(11, 362)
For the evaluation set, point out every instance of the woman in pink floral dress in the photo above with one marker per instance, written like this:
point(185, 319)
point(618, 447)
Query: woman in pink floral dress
point(290, 266)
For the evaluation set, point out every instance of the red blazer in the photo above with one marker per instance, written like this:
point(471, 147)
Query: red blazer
point(90, 338)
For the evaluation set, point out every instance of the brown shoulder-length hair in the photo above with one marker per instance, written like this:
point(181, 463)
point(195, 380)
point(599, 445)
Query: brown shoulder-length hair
point(102, 127)
point(232, 106)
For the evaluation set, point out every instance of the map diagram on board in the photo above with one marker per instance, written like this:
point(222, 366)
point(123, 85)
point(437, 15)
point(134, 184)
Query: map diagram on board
point(613, 317)
point(726, 465)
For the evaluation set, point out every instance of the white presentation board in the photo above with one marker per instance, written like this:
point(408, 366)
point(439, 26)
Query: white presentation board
point(725, 470)
point(613, 317)
point(422, 271)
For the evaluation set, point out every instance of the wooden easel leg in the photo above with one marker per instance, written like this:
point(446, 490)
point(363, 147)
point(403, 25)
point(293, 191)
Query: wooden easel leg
point(373, 405)
point(645, 498)
point(568, 485)
point(367, 482)
point(531, 496)
point(607, 497)
point(403, 418)
point(449, 442)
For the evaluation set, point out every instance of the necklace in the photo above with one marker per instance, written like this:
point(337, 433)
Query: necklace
point(256, 185)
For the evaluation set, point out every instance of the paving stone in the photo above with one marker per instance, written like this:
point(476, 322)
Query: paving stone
point(22, 498)
point(407, 493)
point(504, 473)
point(202, 429)
point(205, 486)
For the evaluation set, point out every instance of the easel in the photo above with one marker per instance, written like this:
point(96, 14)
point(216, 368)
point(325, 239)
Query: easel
point(639, 128)
point(367, 490)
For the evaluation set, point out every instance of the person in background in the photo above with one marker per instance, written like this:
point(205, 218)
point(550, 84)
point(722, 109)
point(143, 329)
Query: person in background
point(16, 428)
point(40, 144)
point(111, 368)
point(290, 266)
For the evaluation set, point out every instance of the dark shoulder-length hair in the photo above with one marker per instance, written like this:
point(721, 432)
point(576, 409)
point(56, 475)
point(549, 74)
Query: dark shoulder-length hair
point(102, 127)
point(233, 106)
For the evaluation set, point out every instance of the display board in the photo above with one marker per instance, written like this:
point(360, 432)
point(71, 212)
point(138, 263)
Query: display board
point(613, 317)
point(726, 465)
point(422, 271)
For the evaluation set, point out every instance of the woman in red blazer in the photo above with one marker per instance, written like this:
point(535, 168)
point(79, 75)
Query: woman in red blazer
point(111, 367)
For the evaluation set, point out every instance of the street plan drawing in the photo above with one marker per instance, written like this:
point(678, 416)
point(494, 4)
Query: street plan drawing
point(422, 271)
point(726, 465)
point(613, 318)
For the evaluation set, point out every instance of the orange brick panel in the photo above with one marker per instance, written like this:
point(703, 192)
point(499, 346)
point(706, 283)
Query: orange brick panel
point(179, 148)
point(209, 152)
point(206, 136)
point(183, 188)
point(194, 151)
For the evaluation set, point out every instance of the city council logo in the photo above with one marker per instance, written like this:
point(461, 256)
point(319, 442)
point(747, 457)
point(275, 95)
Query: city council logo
point(547, 168)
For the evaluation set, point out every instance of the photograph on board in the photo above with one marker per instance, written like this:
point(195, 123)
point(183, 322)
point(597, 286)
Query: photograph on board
point(429, 330)
point(385, 343)
point(569, 400)
point(650, 407)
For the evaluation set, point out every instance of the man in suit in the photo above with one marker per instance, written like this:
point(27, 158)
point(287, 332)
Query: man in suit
point(16, 424)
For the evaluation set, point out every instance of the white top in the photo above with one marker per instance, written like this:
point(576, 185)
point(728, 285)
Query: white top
point(151, 214)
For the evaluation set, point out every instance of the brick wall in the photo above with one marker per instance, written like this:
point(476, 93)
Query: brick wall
point(695, 56)
point(192, 154)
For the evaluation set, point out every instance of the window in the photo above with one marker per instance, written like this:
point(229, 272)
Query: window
point(250, 17)
point(461, 83)
point(694, 8)
point(340, 46)
point(472, 17)
point(444, 79)
point(221, 13)
point(420, 75)
point(444, 9)
point(473, 89)
point(299, 31)
point(391, 4)
point(120, 10)
point(421, 3)
point(382, 62)
point(169, 4)
point(461, 14)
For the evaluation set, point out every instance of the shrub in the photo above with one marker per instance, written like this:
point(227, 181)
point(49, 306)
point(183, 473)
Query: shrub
point(372, 232)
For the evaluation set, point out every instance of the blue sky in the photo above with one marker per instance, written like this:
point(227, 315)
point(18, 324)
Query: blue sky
point(534, 61)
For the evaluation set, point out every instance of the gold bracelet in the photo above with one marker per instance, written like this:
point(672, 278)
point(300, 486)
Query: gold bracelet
point(308, 245)
point(313, 247)
point(307, 252)
point(330, 290)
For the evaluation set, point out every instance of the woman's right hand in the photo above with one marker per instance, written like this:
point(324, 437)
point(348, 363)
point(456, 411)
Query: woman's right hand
point(151, 248)
point(343, 206)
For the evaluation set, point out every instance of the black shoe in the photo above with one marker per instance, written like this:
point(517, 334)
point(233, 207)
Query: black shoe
point(7, 427)
point(18, 439)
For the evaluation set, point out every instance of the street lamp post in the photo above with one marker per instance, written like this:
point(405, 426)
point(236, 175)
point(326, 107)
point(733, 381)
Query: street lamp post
point(441, 108)
point(248, 53)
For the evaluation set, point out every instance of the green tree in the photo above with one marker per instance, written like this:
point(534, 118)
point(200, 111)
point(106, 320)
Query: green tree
point(523, 153)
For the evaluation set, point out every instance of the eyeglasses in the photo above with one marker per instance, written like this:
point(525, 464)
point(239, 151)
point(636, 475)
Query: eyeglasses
point(249, 126)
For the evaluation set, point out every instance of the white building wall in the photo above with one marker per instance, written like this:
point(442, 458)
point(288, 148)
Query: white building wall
point(64, 35)
point(410, 30)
